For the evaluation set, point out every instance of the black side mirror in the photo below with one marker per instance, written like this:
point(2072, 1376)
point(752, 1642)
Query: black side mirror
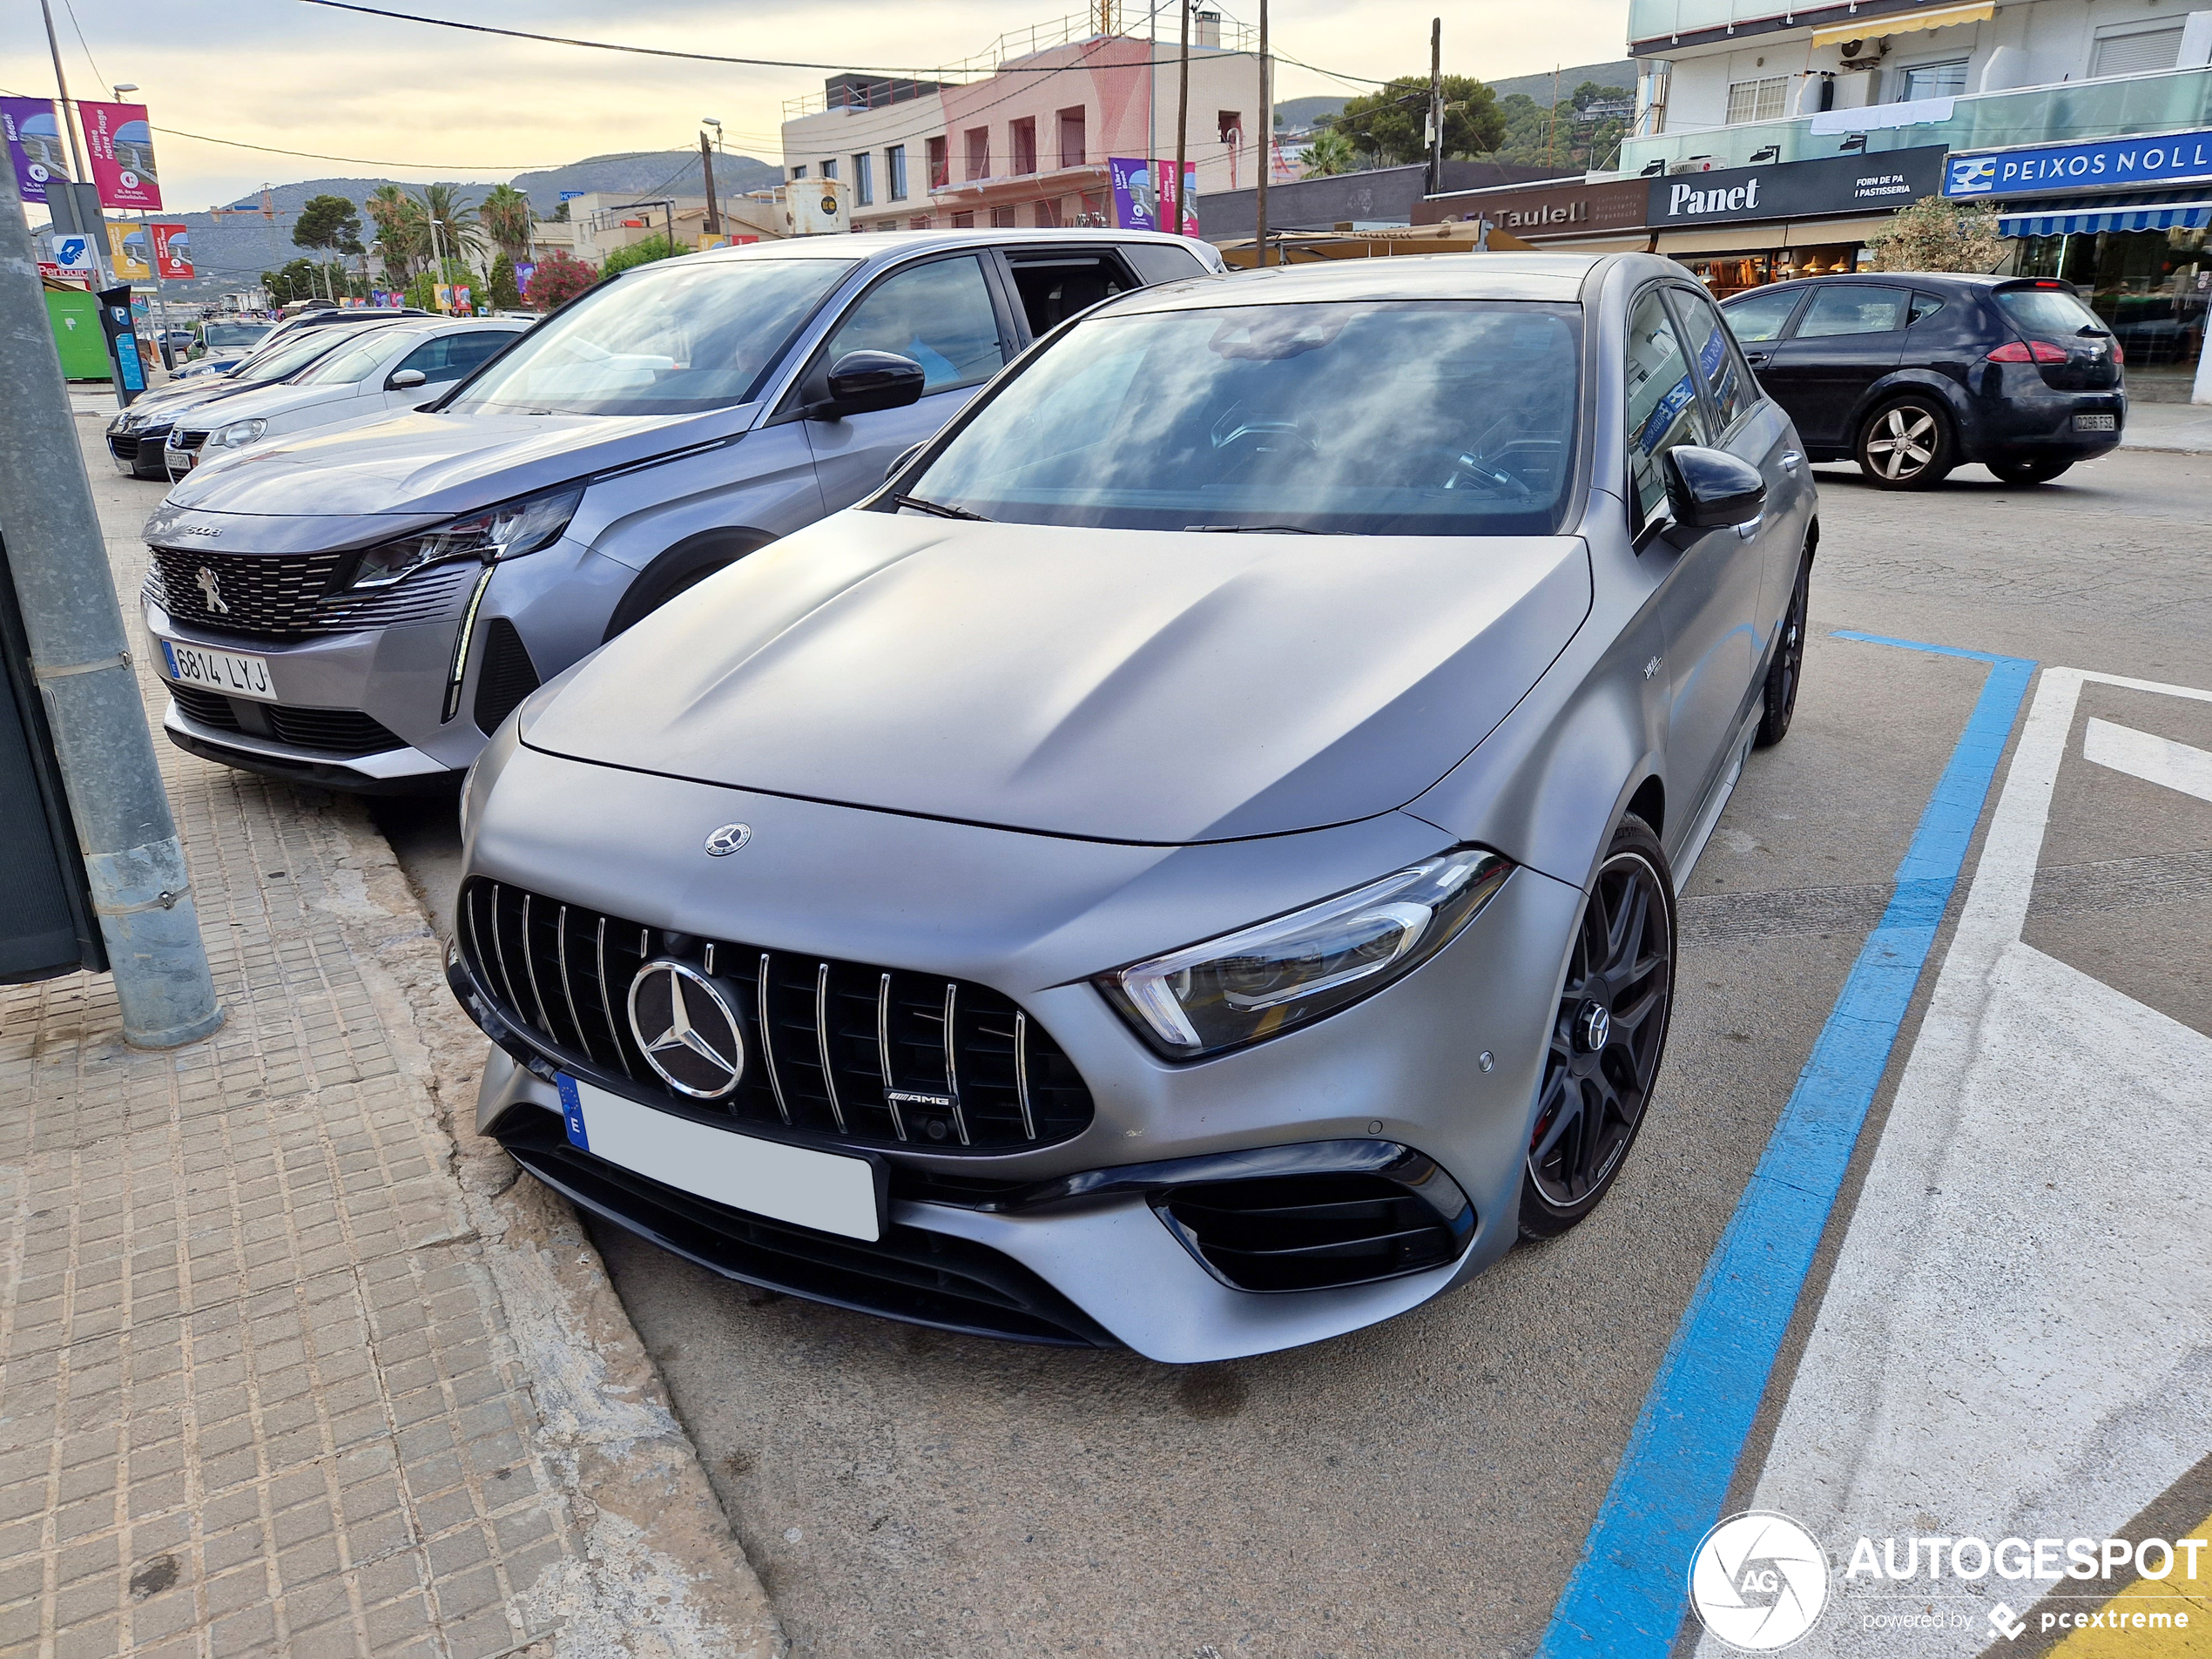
point(1710, 489)
point(863, 380)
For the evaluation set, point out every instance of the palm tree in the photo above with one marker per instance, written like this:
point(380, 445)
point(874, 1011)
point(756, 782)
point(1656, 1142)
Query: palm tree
point(507, 220)
point(1328, 152)
point(458, 236)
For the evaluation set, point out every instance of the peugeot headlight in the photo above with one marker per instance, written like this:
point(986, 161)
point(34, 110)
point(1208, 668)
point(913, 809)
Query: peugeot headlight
point(237, 435)
point(1267, 979)
point(506, 532)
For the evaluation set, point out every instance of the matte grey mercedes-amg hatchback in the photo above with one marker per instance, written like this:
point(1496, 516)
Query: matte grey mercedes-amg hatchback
point(1191, 862)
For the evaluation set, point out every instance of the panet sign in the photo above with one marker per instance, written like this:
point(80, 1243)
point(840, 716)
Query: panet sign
point(1885, 179)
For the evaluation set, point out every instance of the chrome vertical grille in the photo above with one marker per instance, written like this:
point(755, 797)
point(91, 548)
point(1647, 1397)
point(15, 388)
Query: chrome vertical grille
point(850, 1052)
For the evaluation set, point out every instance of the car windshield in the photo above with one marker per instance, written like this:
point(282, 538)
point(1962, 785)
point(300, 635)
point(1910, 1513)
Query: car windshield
point(673, 339)
point(350, 364)
point(2048, 313)
point(288, 357)
point(1379, 418)
point(222, 336)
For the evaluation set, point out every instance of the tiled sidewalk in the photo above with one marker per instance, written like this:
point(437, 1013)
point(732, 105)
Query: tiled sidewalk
point(281, 1370)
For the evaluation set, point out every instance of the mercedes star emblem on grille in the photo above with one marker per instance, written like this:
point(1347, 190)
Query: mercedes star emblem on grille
point(728, 840)
point(689, 1032)
point(211, 587)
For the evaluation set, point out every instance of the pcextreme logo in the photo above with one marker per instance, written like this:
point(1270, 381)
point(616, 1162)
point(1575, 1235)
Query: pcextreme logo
point(1759, 1581)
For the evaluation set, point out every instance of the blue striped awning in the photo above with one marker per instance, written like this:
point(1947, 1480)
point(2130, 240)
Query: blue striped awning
point(2177, 216)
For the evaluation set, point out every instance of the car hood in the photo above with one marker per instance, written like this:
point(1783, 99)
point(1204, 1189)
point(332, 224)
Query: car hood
point(180, 395)
point(1117, 685)
point(439, 463)
point(264, 402)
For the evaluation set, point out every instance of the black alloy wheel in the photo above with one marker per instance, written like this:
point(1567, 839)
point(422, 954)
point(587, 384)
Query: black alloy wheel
point(1907, 445)
point(2021, 473)
point(1608, 1037)
point(1779, 697)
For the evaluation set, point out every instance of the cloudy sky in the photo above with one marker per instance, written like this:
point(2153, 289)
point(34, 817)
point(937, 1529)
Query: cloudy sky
point(425, 104)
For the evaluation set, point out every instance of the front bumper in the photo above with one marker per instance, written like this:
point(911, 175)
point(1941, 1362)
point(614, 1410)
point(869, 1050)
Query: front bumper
point(1031, 918)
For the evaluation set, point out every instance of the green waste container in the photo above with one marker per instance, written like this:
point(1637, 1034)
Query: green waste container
point(75, 319)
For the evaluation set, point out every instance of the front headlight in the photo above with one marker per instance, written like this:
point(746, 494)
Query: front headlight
point(237, 435)
point(507, 531)
point(1267, 979)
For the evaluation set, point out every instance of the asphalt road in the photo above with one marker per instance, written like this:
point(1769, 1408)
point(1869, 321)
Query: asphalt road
point(1425, 1486)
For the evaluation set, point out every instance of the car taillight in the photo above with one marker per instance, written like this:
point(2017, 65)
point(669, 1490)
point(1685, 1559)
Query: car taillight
point(2028, 351)
point(2118, 355)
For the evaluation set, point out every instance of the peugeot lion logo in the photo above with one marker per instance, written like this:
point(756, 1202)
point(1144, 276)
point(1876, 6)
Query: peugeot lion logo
point(213, 588)
point(728, 840)
point(690, 1036)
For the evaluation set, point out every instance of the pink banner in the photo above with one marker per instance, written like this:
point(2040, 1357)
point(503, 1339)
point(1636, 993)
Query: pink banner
point(122, 158)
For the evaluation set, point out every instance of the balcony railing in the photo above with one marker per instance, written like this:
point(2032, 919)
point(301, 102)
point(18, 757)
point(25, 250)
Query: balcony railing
point(2111, 108)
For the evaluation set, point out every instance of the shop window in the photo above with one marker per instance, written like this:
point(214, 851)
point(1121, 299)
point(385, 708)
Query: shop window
point(1761, 100)
point(894, 171)
point(1663, 409)
point(1947, 79)
point(1072, 137)
point(1853, 308)
point(2135, 49)
point(1021, 138)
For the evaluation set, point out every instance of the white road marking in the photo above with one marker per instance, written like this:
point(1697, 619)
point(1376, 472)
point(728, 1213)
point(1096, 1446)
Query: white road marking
point(2017, 1338)
point(2158, 760)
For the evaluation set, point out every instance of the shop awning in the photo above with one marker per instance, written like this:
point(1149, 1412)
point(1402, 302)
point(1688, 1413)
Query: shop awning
point(2170, 216)
point(1898, 22)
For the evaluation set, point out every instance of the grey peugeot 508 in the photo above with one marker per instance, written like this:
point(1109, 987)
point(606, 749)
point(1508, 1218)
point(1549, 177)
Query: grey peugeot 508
point(1190, 863)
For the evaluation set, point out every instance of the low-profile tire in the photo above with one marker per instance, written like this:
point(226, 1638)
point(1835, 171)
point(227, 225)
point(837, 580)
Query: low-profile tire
point(1907, 444)
point(2037, 469)
point(1779, 698)
point(1608, 1035)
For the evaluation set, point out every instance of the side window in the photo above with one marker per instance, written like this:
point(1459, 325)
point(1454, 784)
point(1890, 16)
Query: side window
point(1053, 290)
point(1718, 364)
point(1163, 261)
point(1663, 402)
point(1761, 316)
point(1925, 305)
point(1853, 308)
point(940, 314)
point(430, 358)
point(464, 352)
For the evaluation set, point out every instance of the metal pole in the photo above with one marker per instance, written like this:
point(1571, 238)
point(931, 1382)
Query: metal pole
point(1436, 105)
point(80, 657)
point(1266, 131)
point(1182, 116)
point(61, 81)
point(707, 169)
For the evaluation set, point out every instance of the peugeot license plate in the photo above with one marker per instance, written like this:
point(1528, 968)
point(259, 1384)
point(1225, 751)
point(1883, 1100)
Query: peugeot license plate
point(234, 673)
point(825, 1191)
point(2096, 423)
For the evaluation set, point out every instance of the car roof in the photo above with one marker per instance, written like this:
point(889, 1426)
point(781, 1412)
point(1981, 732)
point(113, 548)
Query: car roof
point(1924, 278)
point(1558, 277)
point(891, 245)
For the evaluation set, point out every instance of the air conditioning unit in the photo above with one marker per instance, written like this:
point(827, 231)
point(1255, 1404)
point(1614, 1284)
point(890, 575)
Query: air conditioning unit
point(1863, 54)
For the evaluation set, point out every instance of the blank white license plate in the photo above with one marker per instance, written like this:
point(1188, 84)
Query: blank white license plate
point(824, 1191)
point(230, 671)
point(2096, 423)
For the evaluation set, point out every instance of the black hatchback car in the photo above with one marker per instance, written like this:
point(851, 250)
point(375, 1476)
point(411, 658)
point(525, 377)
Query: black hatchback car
point(1912, 373)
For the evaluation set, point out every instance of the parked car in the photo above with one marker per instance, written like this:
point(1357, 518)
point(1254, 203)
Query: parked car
point(1911, 374)
point(383, 371)
point(1201, 842)
point(218, 346)
point(377, 617)
point(136, 437)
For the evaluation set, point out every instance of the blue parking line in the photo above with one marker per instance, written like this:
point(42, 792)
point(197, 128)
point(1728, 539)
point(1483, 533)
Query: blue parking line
point(1628, 1596)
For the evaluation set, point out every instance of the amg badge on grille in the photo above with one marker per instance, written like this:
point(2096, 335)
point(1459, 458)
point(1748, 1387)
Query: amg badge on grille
point(690, 1034)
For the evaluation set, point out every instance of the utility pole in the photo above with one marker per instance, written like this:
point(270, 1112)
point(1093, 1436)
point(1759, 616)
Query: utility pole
point(1266, 130)
point(1435, 106)
point(1182, 115)
point(80, 657)
point(706, 166)
point(61, 81)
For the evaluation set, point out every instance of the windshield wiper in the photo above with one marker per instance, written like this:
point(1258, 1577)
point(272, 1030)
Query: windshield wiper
point(938, 509)
point(1271, 530)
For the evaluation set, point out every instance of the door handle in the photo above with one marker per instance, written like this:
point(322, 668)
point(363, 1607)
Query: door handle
point(1791, 460)
point(1754, 358)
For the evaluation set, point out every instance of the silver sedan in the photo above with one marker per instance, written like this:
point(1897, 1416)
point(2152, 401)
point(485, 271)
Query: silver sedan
point(1190, 863)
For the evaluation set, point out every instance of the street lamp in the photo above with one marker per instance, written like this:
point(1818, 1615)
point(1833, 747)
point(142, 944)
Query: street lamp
point(708, 120)
point(121, 87)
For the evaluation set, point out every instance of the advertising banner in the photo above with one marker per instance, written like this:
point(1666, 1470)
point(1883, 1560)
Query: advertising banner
point(1144, 194)
point(129, 251)
point(172, 252)
point(122, 154)
point(36, 144)
point(523, 276)
point(2092, 163)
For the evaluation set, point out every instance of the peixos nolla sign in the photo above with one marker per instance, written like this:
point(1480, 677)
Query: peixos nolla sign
point(2088, 164)
point(1886, 179)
